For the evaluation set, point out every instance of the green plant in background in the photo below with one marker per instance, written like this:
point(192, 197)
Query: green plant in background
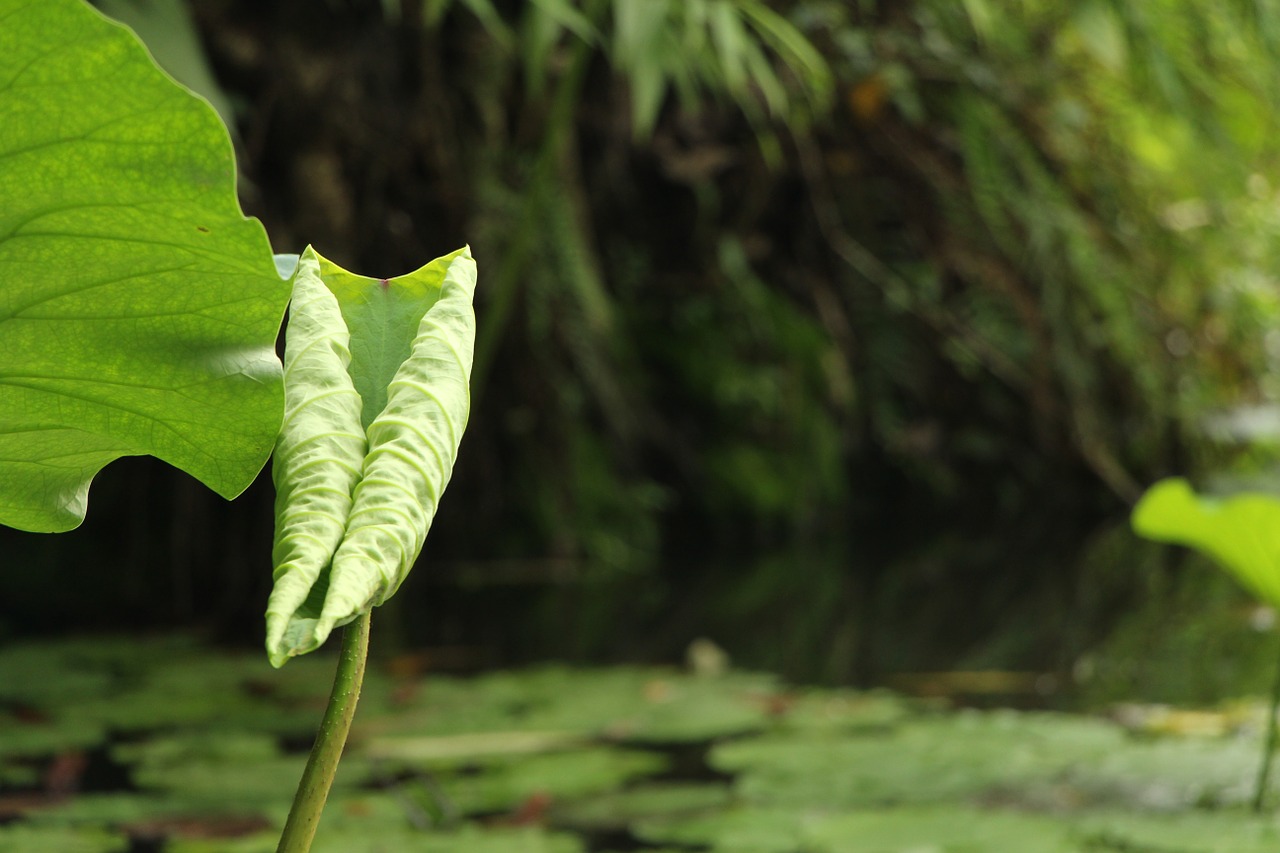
point(560, 292)
point(1242, 535)
point(1008, 232)
point(139, 316)
point(1091, 185)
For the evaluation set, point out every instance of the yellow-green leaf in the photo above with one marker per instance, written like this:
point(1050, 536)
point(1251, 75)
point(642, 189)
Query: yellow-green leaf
point(354, 501)
point(1240, 533)
point(138, 306)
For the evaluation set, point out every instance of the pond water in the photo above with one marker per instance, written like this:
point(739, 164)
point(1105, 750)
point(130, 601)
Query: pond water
point(164, 745)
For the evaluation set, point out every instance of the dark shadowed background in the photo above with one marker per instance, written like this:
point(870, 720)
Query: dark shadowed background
point(843, 334)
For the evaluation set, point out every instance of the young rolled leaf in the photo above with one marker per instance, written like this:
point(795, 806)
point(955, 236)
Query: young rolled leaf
point(377, 390)
point(1240, 533)
point(319, 454)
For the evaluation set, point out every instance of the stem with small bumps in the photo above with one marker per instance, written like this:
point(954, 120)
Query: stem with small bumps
point(322, 765)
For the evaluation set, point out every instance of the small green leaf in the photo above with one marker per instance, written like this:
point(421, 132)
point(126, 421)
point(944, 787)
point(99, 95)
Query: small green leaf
point(140, 308)
point(376, 398)
point(1241, 533)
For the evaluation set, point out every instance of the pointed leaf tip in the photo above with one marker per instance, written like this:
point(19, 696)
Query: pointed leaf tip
point(387, 361)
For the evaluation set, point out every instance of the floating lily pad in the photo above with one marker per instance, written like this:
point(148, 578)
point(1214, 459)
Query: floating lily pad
point(559, 776)
point(200, 691)
point(16, 775)
point(33, 738)
point(470, 749)
point(223, 823)
point(197, 746)
point(958, 756)
point(1219, 832)
point(127, 685)
point(640, 705)
point(24, 676)
point(263, 842)
point(816, 770)
point(1173, 773)
point(437, 706)
point(253, 786)
point(356, 809)
point(745, 829)
point(652, 706)
point(619, 809)
point(113, 809)
point(838, 710)
point(914, 830)
point(469, 839)
point(52, 839)
point(940, 830)
point(386, 839)
point(219, 772)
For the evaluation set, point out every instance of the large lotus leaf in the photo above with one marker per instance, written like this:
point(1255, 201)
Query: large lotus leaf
point(377, 394)
point(138, 306)
point(1240, 533)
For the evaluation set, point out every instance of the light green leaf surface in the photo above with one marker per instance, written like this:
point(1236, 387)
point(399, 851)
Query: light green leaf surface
point(168, 29)
point(1241, 534)
point(318, 459)
point(138, 306)
point(376, 399)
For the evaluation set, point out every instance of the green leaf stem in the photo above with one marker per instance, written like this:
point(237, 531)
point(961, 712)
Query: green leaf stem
point(376, 399)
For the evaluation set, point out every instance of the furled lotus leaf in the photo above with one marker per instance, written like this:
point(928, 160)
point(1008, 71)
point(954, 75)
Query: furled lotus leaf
point(1240, 533)
point(377, 395)
point(318, 459)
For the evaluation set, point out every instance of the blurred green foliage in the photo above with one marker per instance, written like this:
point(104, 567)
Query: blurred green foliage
point(946, 281)
point(1024, 248)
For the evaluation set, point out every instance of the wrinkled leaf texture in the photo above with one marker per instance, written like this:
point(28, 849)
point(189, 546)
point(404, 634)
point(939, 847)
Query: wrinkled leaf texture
point(377, 396)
